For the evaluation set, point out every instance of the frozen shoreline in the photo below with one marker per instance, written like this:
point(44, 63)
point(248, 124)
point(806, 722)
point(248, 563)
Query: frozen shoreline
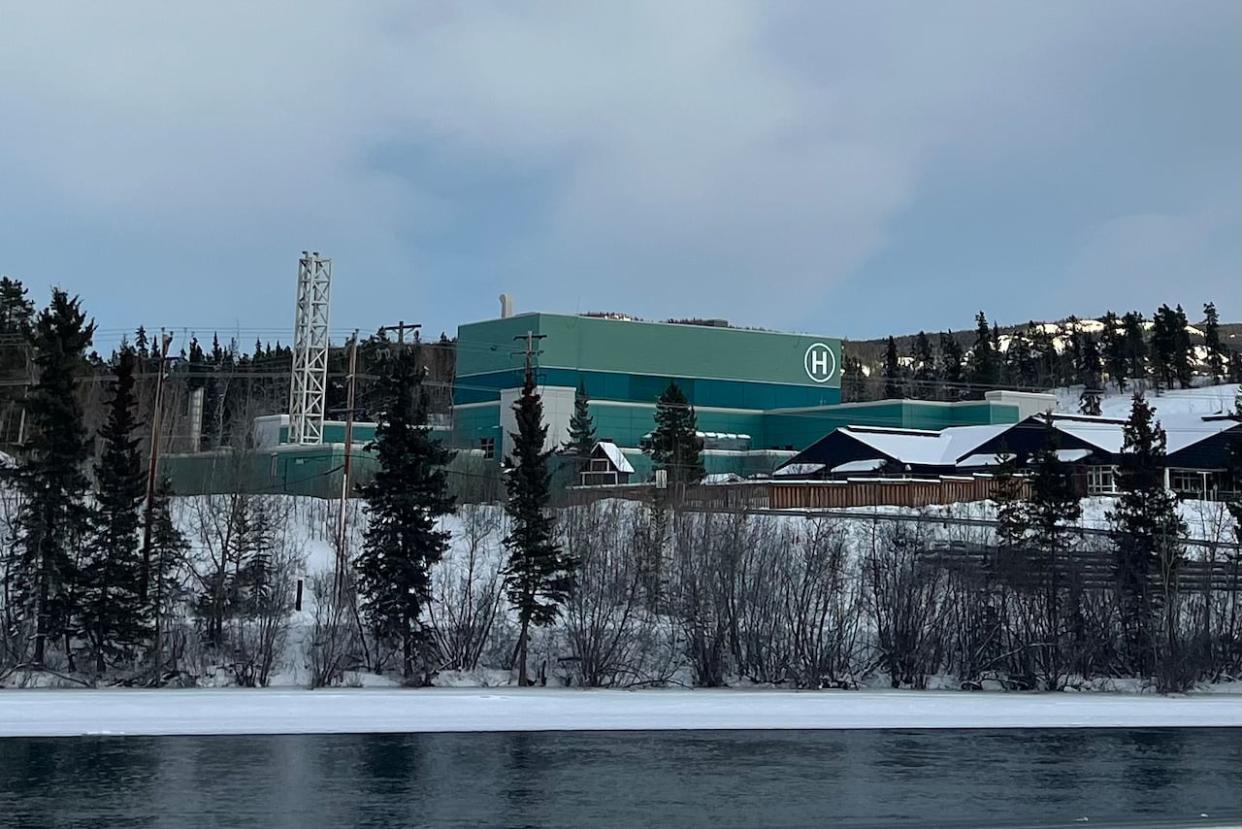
point(58, 713)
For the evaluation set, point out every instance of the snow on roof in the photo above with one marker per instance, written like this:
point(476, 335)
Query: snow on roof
point(985, 459)
point(925, 448)
point(615, 456)
point(794, 469)
point(1103, 433)
point(1182, 430)
point(1071, 455)
point(869, 465)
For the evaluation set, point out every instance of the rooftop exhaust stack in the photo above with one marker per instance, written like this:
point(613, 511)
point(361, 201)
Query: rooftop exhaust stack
point(506, 306)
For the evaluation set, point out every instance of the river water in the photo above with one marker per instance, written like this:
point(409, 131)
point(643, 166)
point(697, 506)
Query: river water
point(626, 779)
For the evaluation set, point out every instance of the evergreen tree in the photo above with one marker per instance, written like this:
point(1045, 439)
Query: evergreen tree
point(539, 574)
point(1112, 339)
point(892, 371)
point(16, 309)
point(112, 606)
point(16, 316)
point(1011, 518)
point(853, 380)
point(1183, 351)
point(1164, 346)
point(675, 445)
point(1146, 531)
point(924, 368)
point(1216, 353)
point(984, 363)
point(1020, 363)
point(404, 502)
point(141, 343)
point(581, 439)
point(167, 591)
point(1135, 345)
point(1052, 510)
point(54, 516)
point(1092, 382)
point(1044, 353)
point(951, 361)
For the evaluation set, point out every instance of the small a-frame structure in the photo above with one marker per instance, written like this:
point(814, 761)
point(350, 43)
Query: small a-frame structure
point(607, 466)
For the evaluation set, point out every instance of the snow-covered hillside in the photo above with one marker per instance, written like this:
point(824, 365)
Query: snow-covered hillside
point(1202, 400)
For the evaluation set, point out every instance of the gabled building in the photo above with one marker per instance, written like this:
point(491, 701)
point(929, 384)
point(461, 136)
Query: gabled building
point(1197, 451)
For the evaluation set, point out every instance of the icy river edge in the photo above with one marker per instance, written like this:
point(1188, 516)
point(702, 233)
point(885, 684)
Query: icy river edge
point(61, 713)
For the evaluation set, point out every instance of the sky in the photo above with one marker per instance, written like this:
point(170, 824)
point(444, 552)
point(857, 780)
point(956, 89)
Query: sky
point(845, 169)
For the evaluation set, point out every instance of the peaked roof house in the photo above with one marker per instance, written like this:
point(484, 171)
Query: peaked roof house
point(1197, 451)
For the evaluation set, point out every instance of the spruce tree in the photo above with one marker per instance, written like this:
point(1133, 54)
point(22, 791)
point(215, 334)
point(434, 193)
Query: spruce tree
point(1146, 531)
point(54, 517)
point(141, 343)
point(1164, 346)
point(984, 364)
point(675, 445)
point(1216, 353)
point(1011, 519)
point(581, 439)
point(1051, 512)
point(1112, 340)
point(924, 379)
point(892, 371)
point(404, 502)
point(539, 574)
point(951, 360)
point(16, 316)
point(113, 614)
point(1020, 364)
point(166, 587)
point(1135, 345)
point(853, 380)
point(1183, 350)
point(1090, 371)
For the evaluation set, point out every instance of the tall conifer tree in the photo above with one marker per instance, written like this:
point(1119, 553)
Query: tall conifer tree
point(404, 503)
point(675, 445)
point(114, 615)
point(539, 574)
point(54, 516)
point(1146, 531)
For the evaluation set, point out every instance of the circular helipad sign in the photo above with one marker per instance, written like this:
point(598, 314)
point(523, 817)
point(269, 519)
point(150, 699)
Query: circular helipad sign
point(820, 362)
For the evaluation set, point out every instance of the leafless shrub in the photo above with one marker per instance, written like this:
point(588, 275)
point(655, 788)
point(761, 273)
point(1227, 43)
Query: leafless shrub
point(821, 604)
point(605, 622)
point(468, 589)
point(907, 602)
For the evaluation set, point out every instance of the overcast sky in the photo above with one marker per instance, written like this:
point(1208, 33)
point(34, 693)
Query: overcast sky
point(847, 169)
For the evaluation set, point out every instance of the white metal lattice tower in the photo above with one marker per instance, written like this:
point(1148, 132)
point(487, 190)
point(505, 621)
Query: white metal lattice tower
point(308, 388)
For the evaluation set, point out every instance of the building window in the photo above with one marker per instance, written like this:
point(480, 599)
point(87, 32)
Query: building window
point(1188, 482)
point(489, 447)
point(1101, 480)
point(600, 465)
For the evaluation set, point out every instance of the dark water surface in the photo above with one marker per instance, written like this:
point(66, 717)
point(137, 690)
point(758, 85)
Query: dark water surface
point(624, 779)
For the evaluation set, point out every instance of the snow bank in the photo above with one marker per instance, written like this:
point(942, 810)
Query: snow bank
point(53, 713)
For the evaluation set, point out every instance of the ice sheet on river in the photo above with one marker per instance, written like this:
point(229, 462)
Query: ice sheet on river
point(237, 711)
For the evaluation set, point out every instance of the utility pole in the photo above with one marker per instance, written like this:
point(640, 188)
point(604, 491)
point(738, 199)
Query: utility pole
point(401, 327)
point(156, 418)
point(341, 559)
point(529, 352)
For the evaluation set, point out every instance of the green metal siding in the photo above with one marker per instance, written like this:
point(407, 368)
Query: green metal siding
point(644, 348)
point(637, 388)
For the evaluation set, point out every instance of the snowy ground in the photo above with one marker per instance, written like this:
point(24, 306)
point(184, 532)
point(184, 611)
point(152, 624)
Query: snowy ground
point(1202, 400)
point(234, 711)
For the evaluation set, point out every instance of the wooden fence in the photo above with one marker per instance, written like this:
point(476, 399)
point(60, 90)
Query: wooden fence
point(860, 492)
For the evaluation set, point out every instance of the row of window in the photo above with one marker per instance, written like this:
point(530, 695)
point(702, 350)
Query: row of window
point(1102, 480)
